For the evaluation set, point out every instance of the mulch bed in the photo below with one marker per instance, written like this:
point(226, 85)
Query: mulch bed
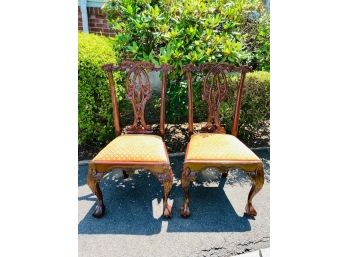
point(176, 138)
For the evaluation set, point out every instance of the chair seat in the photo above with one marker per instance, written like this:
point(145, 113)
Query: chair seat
point(136, 148)
point(207, 147)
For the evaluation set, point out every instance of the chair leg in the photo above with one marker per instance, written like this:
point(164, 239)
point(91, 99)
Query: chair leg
point(125, 174)
point(257, 180)
point(166, 179)
point(93, 179)
point(186, 178)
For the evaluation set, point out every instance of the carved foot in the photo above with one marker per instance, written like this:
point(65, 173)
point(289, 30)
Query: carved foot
point(250, 210)
point(186, 178)
point(224, 174)
point(167, 211)
point(185, 211)
point(166, 178)
point(93, 179)
point(257, 180)
point(99, 211)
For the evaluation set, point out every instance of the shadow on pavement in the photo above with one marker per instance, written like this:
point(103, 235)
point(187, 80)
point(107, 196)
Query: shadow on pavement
point(128, 207)
point(129, 204)
point(211, 212)
point(82, 177)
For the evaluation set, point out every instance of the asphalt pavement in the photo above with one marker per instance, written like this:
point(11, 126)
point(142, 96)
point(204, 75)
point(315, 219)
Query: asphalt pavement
point(133, 226)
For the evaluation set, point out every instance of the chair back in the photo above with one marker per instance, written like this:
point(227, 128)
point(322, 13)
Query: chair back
point(138, 91)
point(215, 91)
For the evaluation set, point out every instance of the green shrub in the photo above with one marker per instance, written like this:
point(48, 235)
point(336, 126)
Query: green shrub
point(174, 32)
point(262, 51)
point(95, 119)
point(255, 108)
point(257, 41)
point(180, 32)
point(94, 102)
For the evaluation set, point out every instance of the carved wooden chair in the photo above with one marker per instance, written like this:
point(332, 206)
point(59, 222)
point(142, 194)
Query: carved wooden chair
point(213, 148)
point(138, 148)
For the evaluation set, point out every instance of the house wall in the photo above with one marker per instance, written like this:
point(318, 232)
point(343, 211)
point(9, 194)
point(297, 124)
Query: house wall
point(97, 21)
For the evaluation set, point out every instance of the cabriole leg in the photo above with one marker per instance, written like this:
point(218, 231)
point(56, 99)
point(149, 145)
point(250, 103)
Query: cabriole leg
point(125, 174)
point(257, 180)
point(186, 178)
point(224, 173)
point(93, 179)
point(166, 179)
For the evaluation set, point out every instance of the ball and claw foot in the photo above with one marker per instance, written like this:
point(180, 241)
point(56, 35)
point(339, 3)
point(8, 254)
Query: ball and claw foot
point(167, 211)
point(99, 211)
point(250, 210)
point(185, 212)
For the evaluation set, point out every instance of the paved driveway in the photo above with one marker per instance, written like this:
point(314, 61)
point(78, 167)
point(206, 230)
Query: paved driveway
point(133, 226)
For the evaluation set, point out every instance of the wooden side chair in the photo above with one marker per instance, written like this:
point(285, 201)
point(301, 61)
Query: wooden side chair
point(138, 148)
point(213, 148)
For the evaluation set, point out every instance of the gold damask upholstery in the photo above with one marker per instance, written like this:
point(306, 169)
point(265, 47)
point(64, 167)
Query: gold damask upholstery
point(221, 147)
point(219, 150)
point(134, 148)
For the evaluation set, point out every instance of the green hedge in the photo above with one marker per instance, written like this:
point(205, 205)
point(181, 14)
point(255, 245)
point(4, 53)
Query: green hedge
point(95, 107)
point(195, 31)
point(94, 102)
point(96, 127)
point(255, 108)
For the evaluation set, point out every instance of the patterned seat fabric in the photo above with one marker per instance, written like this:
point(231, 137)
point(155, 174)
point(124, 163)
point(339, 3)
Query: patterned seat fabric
point(222, 147)
point(134, 148)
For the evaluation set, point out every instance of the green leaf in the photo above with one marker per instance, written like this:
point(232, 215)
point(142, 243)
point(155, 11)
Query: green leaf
point(130, 9)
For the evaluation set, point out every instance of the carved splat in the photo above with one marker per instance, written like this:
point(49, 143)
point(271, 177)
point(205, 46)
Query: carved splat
point(138, 91)
point(215, 91)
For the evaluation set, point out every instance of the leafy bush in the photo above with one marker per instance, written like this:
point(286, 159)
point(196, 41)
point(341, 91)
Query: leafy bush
point(180, 32)
point(255, 108)
point(95, 107)
point(262, 51)
point(174, 32)
point(257, 41)
point(95, 119)
point(94, 102)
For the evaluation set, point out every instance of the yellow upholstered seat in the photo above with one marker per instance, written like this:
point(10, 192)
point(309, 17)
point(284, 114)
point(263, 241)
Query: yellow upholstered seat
point(134, 148)
point(218, 147)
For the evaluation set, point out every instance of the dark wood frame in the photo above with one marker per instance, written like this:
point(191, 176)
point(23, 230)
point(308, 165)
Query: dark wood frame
point(214, 97)
point(136, 74)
